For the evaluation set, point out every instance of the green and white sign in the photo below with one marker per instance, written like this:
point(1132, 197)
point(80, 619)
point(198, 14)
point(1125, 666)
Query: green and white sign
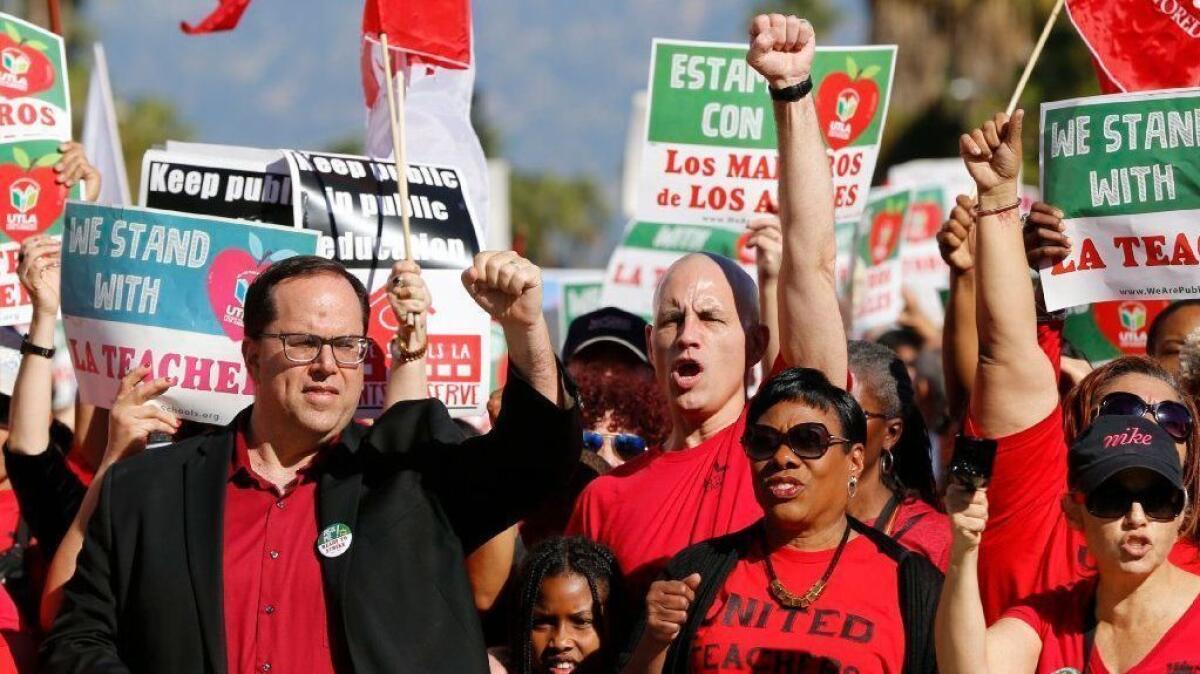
point(1125, 170)
point(34, 99)
point(710, 156)
point(648, 249)
point(877, 298)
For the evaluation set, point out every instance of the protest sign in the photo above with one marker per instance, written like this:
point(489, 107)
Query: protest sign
point(352, 201)
point(648, 249)
point(147, 287)
point(925, 273)
point(31, 203)
point(1125, 171)
point(225, 186)
point(567, 294)
point(877, 294)
point(340, 197)
point(1108, 330)
point(710, 154)
point(34, 98)
point(845, 232)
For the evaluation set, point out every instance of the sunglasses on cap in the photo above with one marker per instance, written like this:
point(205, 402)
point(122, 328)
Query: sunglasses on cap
point(807, 441)
point(1113, 500)
point(627, 445)
point(1171, 416)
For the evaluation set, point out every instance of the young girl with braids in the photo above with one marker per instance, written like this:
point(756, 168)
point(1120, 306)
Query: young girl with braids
point(569, 609)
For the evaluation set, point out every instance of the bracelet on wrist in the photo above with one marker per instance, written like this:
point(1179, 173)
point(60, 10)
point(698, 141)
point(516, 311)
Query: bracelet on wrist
point(979, 213)
point(29, 348)
point(400, 355)
point(792, 93)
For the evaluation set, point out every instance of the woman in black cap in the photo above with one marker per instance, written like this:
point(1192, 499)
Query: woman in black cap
point(1139, 614)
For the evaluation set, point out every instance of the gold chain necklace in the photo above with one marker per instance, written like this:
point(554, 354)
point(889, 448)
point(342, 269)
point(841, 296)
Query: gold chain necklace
point(786, 597)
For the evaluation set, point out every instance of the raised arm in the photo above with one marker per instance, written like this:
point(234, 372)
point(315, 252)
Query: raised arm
point(509, 288)
point(782, 50)
point(408, 296)
point(766, 238)
point(965, 645)
point(30, 413)
point(960, 338)
point(1015, 384)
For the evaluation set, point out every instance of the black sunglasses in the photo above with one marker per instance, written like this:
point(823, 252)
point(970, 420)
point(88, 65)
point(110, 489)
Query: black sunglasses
point(1172, 417)
point(627, 445)
point(808, 441)
point(1113, 500)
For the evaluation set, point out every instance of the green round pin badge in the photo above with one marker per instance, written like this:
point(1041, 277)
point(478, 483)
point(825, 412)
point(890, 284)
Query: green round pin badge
point(334, 540)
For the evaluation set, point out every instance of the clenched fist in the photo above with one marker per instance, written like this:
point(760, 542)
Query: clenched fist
point(507, 286)
point(968, 512)
point(1046, 242)
point(993, 156)
point(782, 49)
point(667, 606)
point(766, 238)
point(956, 239)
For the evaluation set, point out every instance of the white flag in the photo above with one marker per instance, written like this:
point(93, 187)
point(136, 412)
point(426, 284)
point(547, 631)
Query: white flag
point(100, 136)
point(437, 116)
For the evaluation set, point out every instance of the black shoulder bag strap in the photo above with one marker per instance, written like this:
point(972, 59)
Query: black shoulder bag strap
point(885, 516)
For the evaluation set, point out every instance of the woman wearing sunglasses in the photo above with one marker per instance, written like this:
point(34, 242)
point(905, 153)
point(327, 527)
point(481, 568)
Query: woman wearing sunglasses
point(1014, 398)
point(806, 588)
point(1139, 614)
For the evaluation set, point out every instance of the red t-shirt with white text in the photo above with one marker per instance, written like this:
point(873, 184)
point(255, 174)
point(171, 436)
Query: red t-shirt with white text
point(1058, 616)
point(854, 626)
point(919, 527)
point(649, 509)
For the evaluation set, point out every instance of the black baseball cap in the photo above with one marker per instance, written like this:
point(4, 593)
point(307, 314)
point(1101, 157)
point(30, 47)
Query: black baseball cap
point(607, 324)
point(1114, 443)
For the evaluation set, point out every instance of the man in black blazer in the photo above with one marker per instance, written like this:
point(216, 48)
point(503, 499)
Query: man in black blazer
point(358, 549)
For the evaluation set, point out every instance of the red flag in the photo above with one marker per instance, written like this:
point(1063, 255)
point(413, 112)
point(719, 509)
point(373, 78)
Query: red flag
point(1138, 45)
point(435, 31)
point(224, 17)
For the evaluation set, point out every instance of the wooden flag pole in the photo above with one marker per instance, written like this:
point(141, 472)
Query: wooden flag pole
point(55, 16)
point(1033, 58)
point(399, 154)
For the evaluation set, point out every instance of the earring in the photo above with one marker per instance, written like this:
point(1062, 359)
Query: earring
point(852, 486)
point(887, 462)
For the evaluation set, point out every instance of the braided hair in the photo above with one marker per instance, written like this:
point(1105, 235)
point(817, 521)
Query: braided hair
point(561, 556)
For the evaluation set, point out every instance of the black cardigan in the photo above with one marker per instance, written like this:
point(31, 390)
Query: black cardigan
point(920, 587)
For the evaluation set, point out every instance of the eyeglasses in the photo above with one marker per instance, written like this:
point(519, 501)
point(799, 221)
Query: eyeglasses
point(1113, 500)
point(301, 347)
point(808, 441)
point(1171, 416)
point(626, 444)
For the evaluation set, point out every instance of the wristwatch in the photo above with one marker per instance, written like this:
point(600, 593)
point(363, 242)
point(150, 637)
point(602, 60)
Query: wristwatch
point(28, 347)
point(792, 93)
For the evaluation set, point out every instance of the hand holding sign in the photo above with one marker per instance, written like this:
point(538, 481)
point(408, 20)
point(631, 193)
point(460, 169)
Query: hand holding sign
point(74, 166)
point(1046, 243)
point(409, 297)
point(993, 157)
point(507, 286)
point(39, 273)
point(134, 417)
point(782, 49)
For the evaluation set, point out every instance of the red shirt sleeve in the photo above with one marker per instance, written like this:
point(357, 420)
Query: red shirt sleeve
point(1050, 339)
point(582, 517)
point(1028, 545)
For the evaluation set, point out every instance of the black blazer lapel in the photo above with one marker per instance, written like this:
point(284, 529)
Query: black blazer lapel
point(338, 494)
point(205, 475)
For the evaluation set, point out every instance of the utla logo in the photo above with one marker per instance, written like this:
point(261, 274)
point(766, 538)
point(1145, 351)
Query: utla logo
point(35, 200)
point(229, 278)
point(846, 103)
point(924, 220)
point(24, 67)
point(1133, 324)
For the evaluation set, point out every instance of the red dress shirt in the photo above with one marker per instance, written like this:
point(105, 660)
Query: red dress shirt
point(275, 620)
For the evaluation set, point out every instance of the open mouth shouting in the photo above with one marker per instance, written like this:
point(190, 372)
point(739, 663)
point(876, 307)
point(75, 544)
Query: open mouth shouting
point(685, 373)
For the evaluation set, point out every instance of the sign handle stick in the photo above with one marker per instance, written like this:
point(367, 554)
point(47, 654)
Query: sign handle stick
point(55, 16)
point(399, 156)
point(1033, 57)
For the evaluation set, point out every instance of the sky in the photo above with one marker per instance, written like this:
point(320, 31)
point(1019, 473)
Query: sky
point(556, 76)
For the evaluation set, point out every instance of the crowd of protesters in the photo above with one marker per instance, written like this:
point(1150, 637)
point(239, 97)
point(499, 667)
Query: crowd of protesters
point(732, 487)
